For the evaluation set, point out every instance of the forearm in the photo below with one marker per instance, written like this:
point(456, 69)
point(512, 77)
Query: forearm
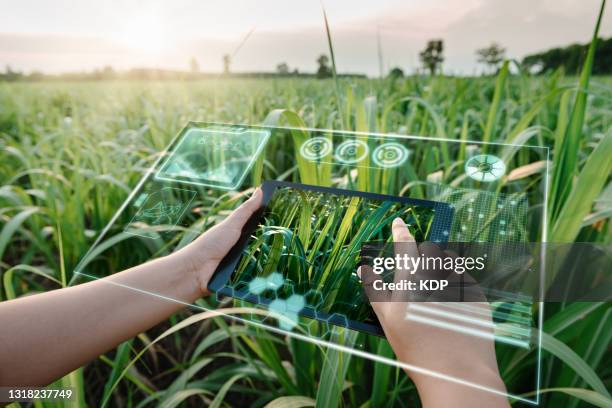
point(437, 392)
point(43, 337)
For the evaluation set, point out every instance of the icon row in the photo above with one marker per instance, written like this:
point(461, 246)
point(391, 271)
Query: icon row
point(387, 155)
point(483, 167)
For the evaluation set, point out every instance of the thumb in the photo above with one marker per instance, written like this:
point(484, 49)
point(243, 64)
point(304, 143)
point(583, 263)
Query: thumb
point(241, 215)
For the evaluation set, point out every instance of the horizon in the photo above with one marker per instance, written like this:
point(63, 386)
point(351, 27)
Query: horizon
point(87, 36)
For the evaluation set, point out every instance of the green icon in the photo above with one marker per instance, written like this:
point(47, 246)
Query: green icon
point(316, 148)
point(285, 310)
point(161, 213)
point(163, 207)
point(258, 285)
point(351, 151)
point(140, 199)
point(214, 157)
point(389, 155)
point(485, 167)
point(275, 280)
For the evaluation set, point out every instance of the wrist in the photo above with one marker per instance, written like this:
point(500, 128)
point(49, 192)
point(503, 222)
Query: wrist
point(185, 277)
point(436, 391)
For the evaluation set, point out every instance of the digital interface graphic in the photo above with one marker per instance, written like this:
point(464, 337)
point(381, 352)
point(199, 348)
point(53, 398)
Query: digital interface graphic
point(358, 152)
point(485, 167)
point(316, 148)
point(390, 155)
point(214, 157)
point(163, 207)
point(351, 151)
point(279, 262)
point(300, 264)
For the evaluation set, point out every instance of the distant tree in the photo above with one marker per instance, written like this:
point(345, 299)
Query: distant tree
point(36, 76)
point(108, 72)
point(226, 63)
point(282, 68)
point(571, 58)
point(396, 73)
point(491, 56)
point(194, 67)
point(432, 56)
point(10, 75)
point(324, 71)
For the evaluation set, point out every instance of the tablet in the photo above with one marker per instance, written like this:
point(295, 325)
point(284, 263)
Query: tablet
point(298, 254)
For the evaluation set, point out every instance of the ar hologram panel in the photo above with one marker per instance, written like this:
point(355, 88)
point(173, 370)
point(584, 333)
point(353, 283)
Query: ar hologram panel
point(214, 157)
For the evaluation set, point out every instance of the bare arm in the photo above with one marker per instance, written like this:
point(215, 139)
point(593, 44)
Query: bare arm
point(43, 337)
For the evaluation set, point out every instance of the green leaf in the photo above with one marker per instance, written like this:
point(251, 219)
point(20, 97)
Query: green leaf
point(11, 227)
point(121, 358)
point(8, 278)
point(182, 395)
point(334, 370)
point(566, 154)
point(216, 403)
point(496, 103)
point(291, 402)
point(589, 396)
point(177, 327)
point(586, 188)
point(569, 357)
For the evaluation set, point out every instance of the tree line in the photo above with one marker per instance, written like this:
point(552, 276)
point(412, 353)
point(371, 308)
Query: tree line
point(570, 58)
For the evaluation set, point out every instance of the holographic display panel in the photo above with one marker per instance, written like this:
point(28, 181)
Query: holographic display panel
point(209, 169)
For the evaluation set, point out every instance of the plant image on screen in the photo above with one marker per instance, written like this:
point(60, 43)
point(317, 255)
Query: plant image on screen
point(313, 240)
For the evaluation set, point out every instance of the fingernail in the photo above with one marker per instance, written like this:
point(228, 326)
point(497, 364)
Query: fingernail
point(399, 222)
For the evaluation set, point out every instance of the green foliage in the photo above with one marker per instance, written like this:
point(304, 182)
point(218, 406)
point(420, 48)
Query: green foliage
point(571, 58)
point(70, 151)
point(432, 56)
point(492, 55)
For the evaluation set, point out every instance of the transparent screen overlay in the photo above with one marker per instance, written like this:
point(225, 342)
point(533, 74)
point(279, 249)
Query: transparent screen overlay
point(298, 273)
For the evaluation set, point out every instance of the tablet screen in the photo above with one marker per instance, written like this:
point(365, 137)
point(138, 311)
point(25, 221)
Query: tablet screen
point(305, 249)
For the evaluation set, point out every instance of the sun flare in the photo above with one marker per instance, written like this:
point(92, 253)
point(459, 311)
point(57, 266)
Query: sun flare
point(145, 33)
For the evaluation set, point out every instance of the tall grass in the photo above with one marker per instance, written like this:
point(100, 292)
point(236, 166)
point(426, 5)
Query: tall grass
point(71, 151)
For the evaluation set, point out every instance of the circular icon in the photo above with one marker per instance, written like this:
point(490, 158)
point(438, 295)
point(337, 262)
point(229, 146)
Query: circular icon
point(316, 148)
point(485, 167)
point(349, 152)
point(390, 155)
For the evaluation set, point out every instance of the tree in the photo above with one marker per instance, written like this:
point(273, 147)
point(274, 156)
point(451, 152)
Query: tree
point(10, 75)
point(324, 71)
point(282, 68)
point(432, 56)
point(194, 66)
point(226, 63)
point(396, 72)
point(108, 72)
point(492, 55)
point(571, 58)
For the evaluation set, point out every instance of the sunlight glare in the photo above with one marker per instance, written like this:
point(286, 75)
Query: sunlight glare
point(144, 33)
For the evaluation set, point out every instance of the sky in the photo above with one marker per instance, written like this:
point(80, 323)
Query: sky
point(82, 35)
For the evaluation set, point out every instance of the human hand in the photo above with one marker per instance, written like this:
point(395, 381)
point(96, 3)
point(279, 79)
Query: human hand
point(449, 352)
point(201, 257)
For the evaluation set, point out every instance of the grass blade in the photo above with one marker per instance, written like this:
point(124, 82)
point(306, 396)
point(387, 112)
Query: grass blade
point(587, 188)
point(500, 83)
point(569, 357)
point(291, 402)
point(566, 158)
